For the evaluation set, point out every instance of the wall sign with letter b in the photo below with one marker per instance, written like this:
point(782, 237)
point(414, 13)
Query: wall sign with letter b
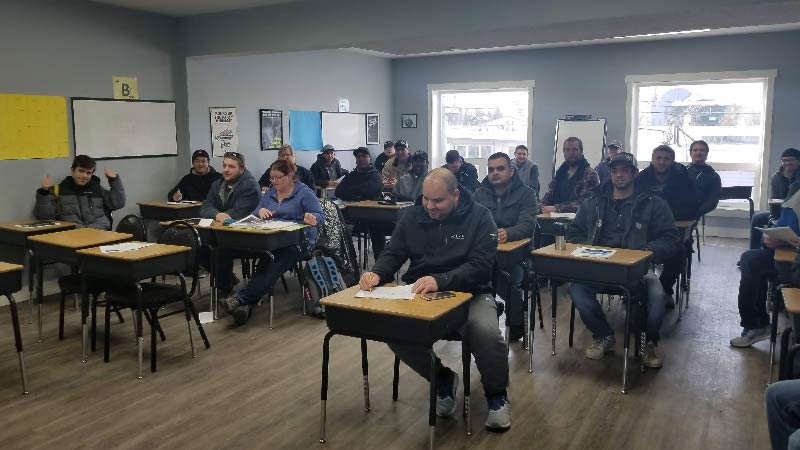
point(126, 88)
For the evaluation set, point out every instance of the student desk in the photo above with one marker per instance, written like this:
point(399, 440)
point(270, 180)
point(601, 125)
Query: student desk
point(685, 228)
point(620, 271)
point(10, 282)
point(791, 298)
point(164, 211)
point(509, 255)
point(15, 248)
point(784, 256)
point(128, 267)
point(61, 247)
point(414, 322)
point(547, 222)
point(372, 211)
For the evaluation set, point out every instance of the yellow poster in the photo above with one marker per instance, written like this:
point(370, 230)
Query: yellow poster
point(33, 126)
point(126, 88)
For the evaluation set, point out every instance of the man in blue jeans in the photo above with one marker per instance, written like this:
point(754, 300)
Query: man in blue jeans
point(778, 188)
point(783, 414)
point(622, 217)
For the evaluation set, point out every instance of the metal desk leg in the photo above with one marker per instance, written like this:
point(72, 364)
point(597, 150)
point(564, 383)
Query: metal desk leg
point(31, 280)
point(139, 337)
point(324, 387)
point(466, 363)
point(18, 342)
point(629, 309)
point(84, 315)
point(365, 373)
point(773, 302)
point(529, 329)
point(554, 290)
point(396, 378)
point(39, 294)
point(432, 406)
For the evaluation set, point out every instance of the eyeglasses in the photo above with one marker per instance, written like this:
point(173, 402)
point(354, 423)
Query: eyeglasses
point(274, 179)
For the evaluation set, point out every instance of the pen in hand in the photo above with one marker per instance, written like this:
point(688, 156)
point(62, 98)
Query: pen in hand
point(370, 282)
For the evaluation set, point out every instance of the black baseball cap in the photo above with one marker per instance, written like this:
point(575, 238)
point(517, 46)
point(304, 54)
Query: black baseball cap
point(624, 158)
point(360, 150)
point(388, 144)
point(401, 143)
point(200, 152)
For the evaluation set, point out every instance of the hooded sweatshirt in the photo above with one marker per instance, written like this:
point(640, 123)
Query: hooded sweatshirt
point(409, 187)
point(515, 209)
point(707, 186)
point(195, 187)
point(457, 252)
point(360, 185)
point(529, 174)
point(677, 190)
point(242, 196)
point(320, 171)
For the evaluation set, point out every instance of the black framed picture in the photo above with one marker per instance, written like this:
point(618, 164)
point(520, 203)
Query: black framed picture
point(373, 129)
point(408, 121)
point(271, 129)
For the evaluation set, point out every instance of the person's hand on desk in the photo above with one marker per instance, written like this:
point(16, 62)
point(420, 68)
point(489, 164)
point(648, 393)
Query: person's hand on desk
point(548, 209)
point(502, 236)
point(368, 281)
point(264, 213)
point(425, 285)
point(177, 196)
point(47, 182)
point(310, 219)
point(221, 217)
point(110, 174)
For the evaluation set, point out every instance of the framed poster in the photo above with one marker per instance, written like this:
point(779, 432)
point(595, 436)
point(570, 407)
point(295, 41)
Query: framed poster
point(271, 129)
point(408, 121)
point(373, 129)
point(224, 130)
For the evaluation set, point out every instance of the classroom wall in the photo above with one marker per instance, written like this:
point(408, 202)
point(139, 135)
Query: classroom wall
point(312, 81)
point(53, 47)
point(591, 80)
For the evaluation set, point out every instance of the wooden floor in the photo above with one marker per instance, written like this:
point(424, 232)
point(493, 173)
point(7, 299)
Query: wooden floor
point(259, 389)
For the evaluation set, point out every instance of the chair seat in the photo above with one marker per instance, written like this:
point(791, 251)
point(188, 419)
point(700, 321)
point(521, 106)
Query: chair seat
point(71, 284)
point(153, 294)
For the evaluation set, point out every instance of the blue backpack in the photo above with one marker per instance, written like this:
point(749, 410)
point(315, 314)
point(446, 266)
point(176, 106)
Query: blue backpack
point(323, 279)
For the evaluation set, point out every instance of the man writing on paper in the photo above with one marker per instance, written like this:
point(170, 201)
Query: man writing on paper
point(196, 184)
point(757, 266)
point(513, 206)
point(327, 169)
point(451, 242)
point(80, 198)
point(622, 216)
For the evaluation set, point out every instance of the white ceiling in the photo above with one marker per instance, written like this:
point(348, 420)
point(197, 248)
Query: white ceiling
point(180, 8)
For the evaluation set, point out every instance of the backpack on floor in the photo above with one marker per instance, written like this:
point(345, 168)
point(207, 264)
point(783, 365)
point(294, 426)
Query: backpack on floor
point(323, 279)
point(335, 241)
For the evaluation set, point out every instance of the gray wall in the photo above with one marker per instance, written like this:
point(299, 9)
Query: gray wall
point(311, 81)
point(73, 49)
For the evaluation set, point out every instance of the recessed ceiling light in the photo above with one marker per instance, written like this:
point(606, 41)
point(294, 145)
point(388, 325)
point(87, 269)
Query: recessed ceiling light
point(667, 33)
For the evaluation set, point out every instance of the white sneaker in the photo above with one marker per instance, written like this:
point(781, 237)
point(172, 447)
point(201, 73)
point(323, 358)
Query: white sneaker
point(499, 418)
point(651, 356)
point(446, 398)
point(751, 336)
point(600, 347)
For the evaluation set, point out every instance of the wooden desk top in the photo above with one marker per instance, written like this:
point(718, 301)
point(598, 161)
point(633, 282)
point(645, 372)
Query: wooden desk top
point(547, 216)
point(374, 204)
point(80, 238)
point(6, 267)
point(623, 256)
point(414, 309)
point(785, 255)
point(12, 226)
point(791, 298)
point(149, 252)
point(513, 245)
point(164, 205)
point(217, 226)
point(685, 223)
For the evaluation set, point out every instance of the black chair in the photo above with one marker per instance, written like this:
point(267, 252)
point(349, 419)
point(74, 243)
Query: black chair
point(153, 296)
point(739, 193)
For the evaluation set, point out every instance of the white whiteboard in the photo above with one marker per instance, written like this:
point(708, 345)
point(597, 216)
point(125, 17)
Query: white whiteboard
point(344, 131)
point(591, 132)
point(123, 128)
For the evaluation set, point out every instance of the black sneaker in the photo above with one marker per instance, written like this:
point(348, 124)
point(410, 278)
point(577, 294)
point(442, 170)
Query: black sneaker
point(242, 314)
point(516, 333)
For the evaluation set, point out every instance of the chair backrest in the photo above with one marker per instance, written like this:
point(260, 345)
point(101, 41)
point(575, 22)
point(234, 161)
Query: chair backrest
point(132, 224)
point(736, 193)
point(183, 233)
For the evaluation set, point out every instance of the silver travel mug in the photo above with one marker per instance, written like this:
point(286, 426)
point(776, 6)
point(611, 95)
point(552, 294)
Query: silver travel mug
point(561, 243)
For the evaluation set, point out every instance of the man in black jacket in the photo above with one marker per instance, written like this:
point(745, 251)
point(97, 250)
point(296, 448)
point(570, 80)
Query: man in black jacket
point(514, 207)
point(466, 173)
point(365, 183)
point(779, 184)
point(623, 216)
point(707, 184)
point(388, 152)
point(302, 175)
point(196, 184)
point(327, 169)
point(451, 242)
point(671, 182)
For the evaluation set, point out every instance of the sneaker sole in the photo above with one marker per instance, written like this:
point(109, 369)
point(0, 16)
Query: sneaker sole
point(652, 366)
point(595, 358)
point(754, 341)
point(498, 428)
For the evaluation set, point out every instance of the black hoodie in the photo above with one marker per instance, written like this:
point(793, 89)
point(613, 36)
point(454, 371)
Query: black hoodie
point(457, 252)
point(321, 175)
point(195, 187)
point(515, 210)
point(678, 191)
point(358, 185)
point(707, 186)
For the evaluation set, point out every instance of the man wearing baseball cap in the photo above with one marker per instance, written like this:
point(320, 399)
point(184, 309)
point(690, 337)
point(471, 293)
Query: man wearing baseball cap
point(602, 169)
point(398, 165)
point(196, 184)
point(409, 186)
point(388, 152)
point(327, 169)
point(623, 216)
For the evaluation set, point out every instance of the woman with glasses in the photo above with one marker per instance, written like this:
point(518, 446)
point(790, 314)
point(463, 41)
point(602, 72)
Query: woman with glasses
point(286, 199)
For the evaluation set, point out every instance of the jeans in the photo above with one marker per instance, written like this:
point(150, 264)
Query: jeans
point(514, 312)
point(757, 266)
point(485, 342)
point(760, 219)
point(783, 414)
point(672, 269)
point(583, 297)
point(267, 273)
point(223, 271)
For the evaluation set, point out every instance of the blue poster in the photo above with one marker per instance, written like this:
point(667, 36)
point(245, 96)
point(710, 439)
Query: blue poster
point(305, 130)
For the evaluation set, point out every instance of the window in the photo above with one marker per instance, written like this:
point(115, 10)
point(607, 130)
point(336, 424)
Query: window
point(477, 118)
point(731, 111)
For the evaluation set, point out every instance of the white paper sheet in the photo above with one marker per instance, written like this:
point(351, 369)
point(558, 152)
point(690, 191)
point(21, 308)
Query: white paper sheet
point(556, 215)
point(586, 252)
point(124, 247)
point(386, 292)
point(252, 221)
point(784, 234)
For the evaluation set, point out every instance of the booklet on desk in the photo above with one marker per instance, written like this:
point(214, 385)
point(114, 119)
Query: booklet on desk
point(252, 221)
point(784, 234)
point(586, 252)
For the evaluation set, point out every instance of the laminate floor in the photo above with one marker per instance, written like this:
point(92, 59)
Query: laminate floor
point(259, 389)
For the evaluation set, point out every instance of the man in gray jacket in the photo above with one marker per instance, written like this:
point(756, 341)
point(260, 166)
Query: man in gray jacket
point(526, 170)
point(514, 208)
point(621, 217)
point(409, 187)
point(80, 198)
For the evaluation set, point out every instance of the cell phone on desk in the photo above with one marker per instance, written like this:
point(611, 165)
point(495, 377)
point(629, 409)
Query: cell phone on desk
point(437, 295)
